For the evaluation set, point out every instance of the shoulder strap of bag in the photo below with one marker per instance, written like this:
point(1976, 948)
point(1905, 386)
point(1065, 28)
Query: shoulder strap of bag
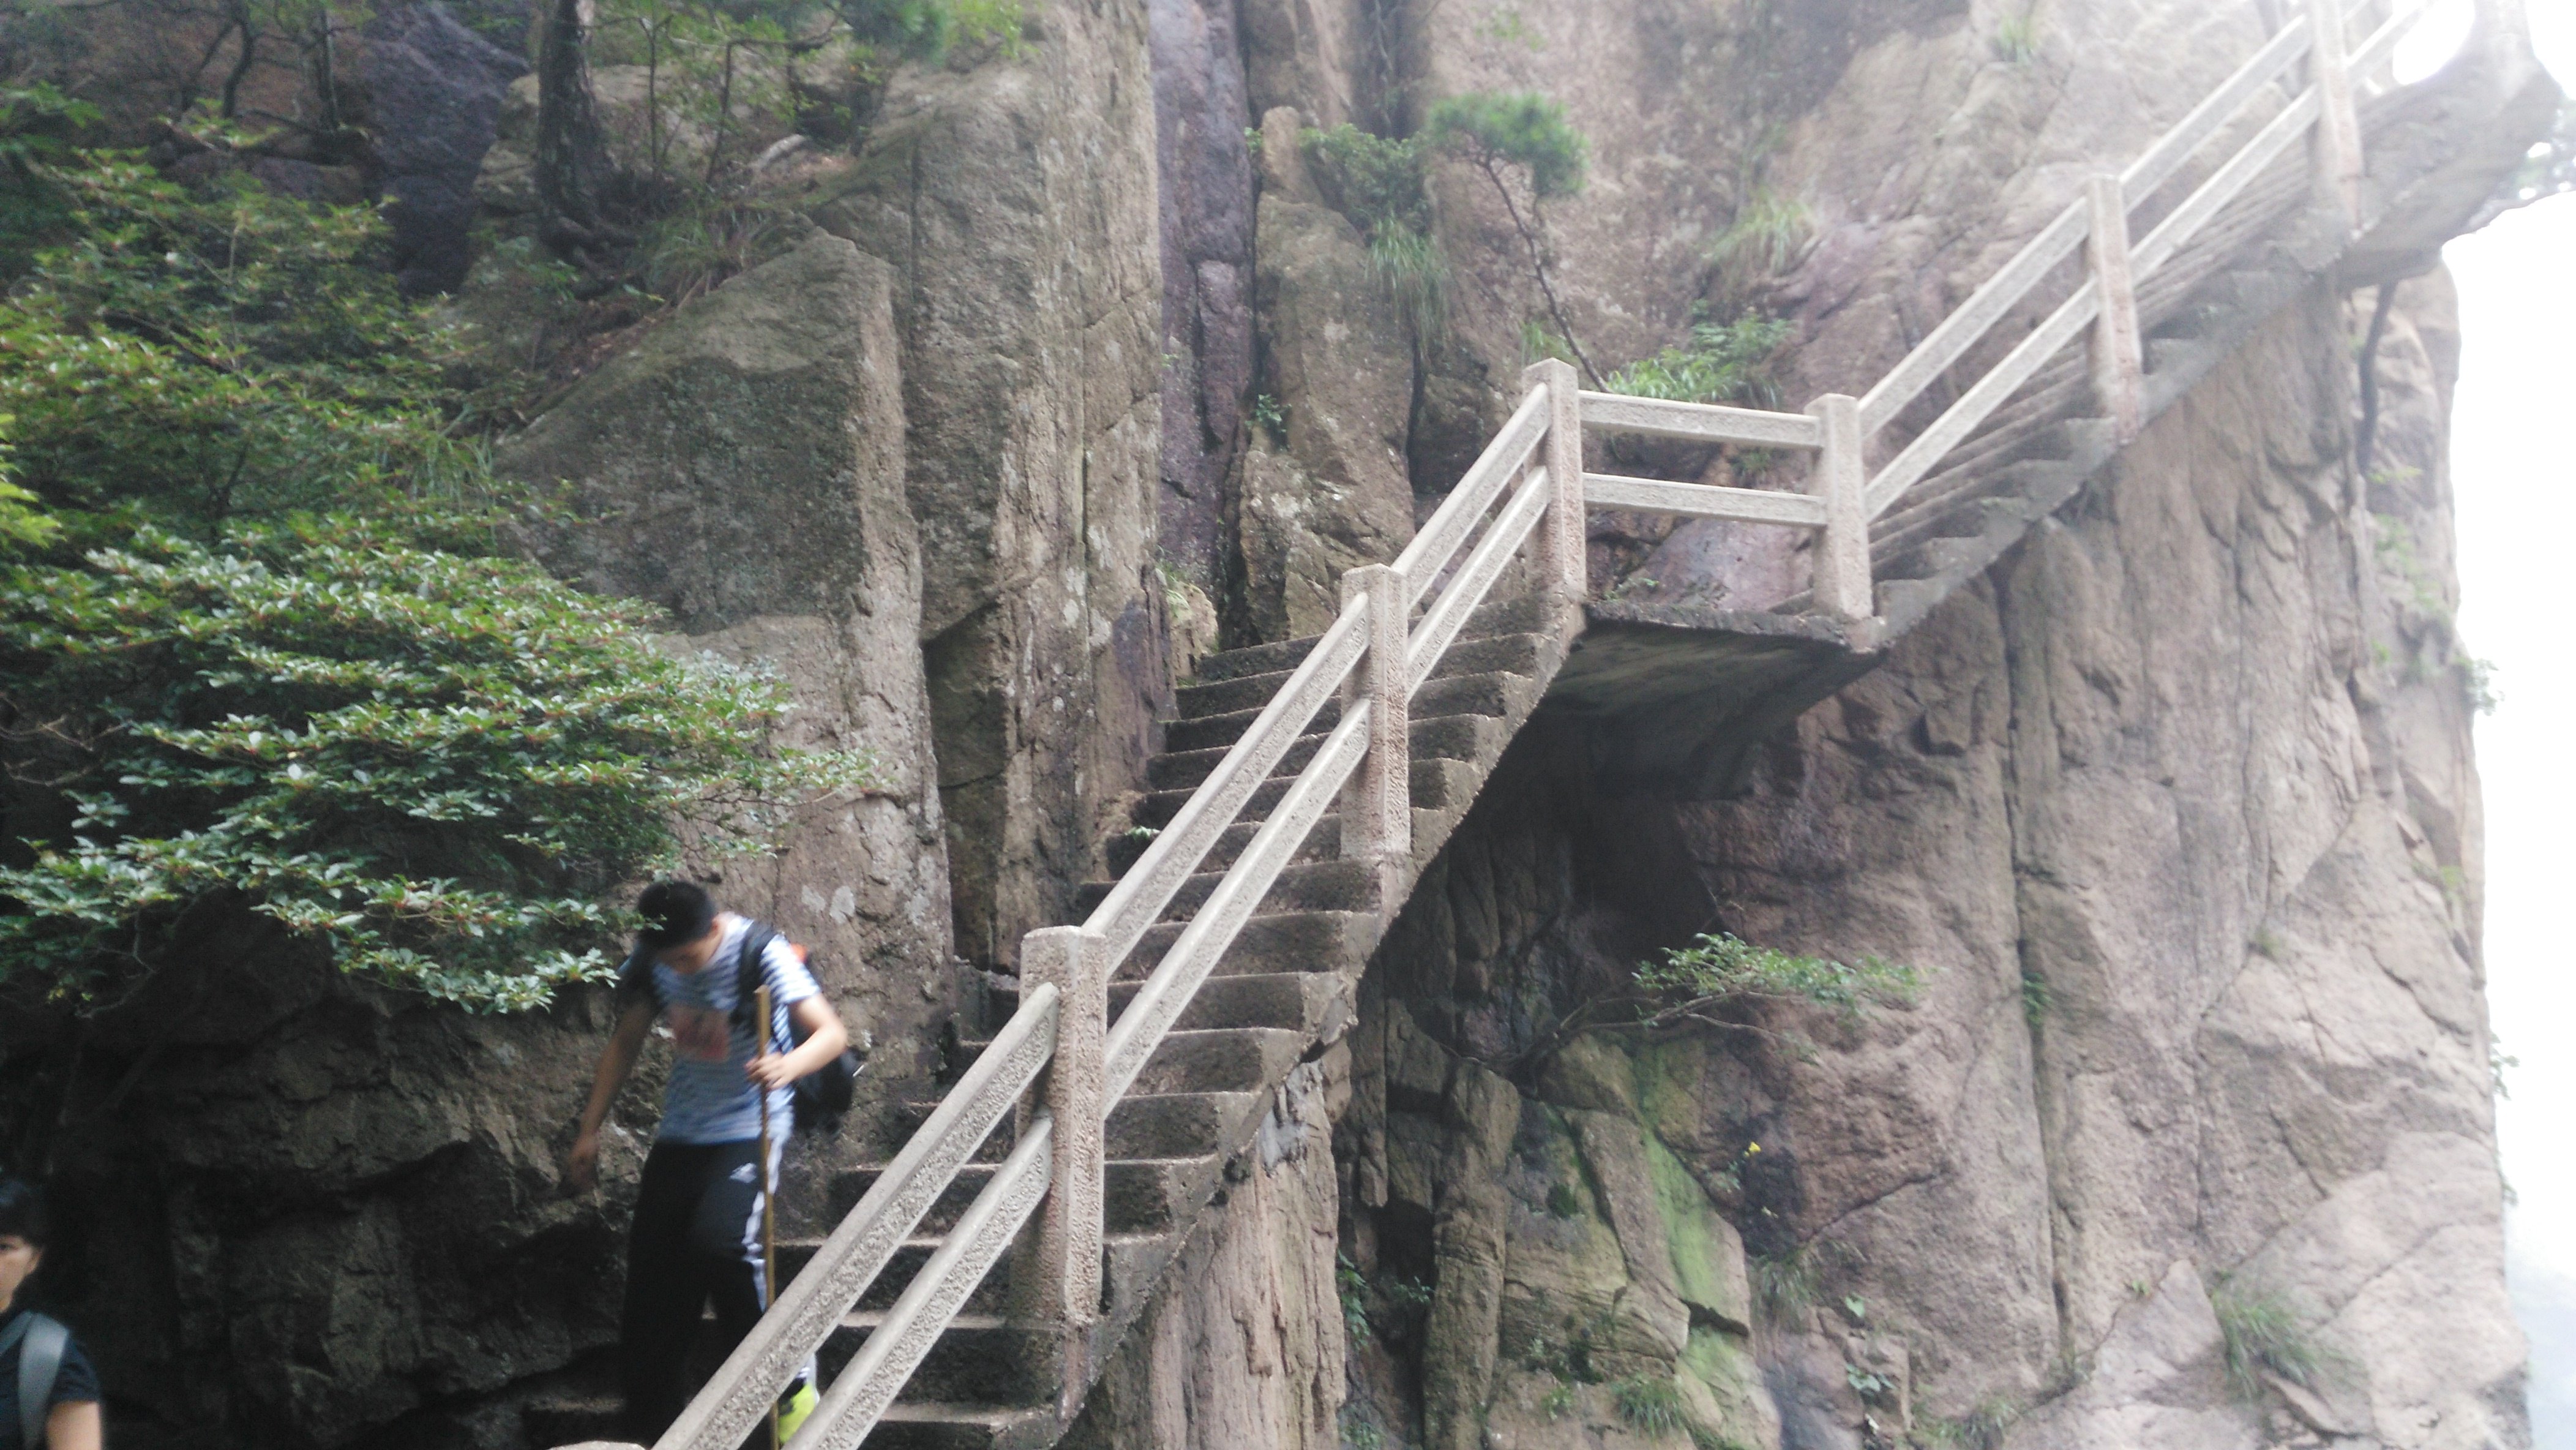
point(747, 979)
point(40, 1359)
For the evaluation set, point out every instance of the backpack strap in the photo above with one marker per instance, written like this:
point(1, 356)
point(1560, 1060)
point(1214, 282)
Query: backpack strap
point(747, 978)
point(40, 1360)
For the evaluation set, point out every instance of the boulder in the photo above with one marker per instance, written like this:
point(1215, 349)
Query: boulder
point(434, 94)
point(743, 468)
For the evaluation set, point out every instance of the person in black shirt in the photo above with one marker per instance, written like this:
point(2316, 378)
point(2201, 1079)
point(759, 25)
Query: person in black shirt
point(70, 1419)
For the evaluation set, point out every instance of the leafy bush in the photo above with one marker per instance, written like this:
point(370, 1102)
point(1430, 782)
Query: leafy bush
point(1521, 128)
point(1377, 182)
point(1724, 967)
point(1730, 363)
point(435, 765)
point(258, 655)
point(195, 358)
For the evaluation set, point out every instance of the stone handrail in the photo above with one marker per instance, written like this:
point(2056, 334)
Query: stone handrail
point(1529, 484)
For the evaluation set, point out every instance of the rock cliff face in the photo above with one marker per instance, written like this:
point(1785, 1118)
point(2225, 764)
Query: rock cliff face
point(2174, 811)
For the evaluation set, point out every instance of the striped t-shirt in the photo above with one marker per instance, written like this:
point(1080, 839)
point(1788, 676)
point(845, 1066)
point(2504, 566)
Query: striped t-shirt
point(709, 1100)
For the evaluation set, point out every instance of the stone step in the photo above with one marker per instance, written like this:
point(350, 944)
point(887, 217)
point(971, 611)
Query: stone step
point(1452, 736)
point(980, 1358)
point(1301, 886)
point(1520, 615)
point(940, 1426)
point(570, 1419)
point(1274, 943)
point(989, 1297)
point(1142, 1195)
point(1448, 692)
point(1298, 1001)
point(1324, 843)
point(1434, 785)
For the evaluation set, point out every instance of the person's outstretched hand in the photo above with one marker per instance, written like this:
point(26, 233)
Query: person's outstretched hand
point(581, 1165)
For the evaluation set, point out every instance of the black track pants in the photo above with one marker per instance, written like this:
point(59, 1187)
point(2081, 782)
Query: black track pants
point(697, 1237)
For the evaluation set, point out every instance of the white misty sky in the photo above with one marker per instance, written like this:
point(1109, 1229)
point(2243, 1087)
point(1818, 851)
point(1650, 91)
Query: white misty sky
point(2516, 484)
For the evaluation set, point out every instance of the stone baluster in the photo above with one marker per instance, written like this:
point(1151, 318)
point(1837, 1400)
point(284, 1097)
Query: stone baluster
point(2119, 365)
point(1377, 806)
point(1061, 1284)
point(2338, 146)
point(1842, 583)
point(1560, 532)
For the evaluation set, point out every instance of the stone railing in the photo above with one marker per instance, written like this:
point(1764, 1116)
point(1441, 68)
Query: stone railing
point(1397, 621)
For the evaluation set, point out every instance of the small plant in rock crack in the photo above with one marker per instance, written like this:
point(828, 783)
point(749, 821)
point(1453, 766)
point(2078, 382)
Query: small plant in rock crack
point(1143, 833)
point(1352, 1285)
point(2038, 999)
point(1649, 1404)
point(1982, 1428)
point(1787, 1284)
point(1359, 1431)
point(2265, 1335)
point(2017, 41)
point(1271, 414)
point(1868, 1384)
point(1557, 1403)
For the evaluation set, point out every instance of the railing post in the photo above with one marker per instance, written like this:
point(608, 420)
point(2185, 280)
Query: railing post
point(2338, 126)
point(1377, 807)
point(1560, 533)
point(1062, 1282)
point(1842, 584)
point(2119, 366)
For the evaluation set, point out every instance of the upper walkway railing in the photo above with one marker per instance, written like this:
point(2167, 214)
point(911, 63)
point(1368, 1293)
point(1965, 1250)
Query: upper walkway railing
point(1397, 621)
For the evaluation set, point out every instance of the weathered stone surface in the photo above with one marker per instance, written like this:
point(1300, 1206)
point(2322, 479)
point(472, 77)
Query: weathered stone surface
point(1015, 203)
point(434, 92)
point(1204, 169)
point(1336, 495)
point(1248, 1348)
point(744, 467)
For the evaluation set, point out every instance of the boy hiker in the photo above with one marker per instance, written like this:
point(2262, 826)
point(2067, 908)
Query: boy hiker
point(48, 1392)
point(697, 1232)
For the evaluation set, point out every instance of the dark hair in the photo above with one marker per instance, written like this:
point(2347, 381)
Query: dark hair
point(22, 1210)
point(675, 913)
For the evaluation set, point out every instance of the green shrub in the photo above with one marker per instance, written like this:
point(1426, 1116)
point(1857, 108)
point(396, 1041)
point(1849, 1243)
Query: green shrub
point(1733, 363)
point(260, 650)
point(1521, 128)
point(433, 766)
point(1377, 182)
point(1724, 967)
point(1786, 1284)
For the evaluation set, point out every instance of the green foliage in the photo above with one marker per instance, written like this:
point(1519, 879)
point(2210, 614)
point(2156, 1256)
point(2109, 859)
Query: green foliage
point(1352, 1286)
point(1271, 414)
point(1982, 1428)
point(1359, 1431)
point(200, 357)
point(1521, 128)
point(1732, 363)
point(1724, 967)
point(1766, 236)
point(1377, 182)
point(1563, 1202)
point(1786, 1284)
point(2264, 1334)
point(1539, 342)
point(2038, 999)
point(1650, 1405)
point(1409, 265)
point(1868, 1384)
point(926, 29)
point(434, 766)
point(2016, 40)
point(270, 668)
point(1558, 1402)
point(1573, 1358)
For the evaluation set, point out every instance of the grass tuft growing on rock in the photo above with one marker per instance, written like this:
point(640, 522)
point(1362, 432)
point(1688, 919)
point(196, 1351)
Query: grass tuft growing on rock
point(2265, 1335)
point(1648, 1404)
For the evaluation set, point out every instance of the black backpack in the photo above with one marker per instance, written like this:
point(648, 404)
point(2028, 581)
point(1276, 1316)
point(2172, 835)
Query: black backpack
point(821, 1097)
point(41, 1343)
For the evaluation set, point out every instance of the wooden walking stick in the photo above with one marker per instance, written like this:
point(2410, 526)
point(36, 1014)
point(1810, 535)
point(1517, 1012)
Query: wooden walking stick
point(768, 1196)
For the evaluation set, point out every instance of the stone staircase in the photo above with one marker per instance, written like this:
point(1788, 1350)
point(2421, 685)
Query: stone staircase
point(979, 1279)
